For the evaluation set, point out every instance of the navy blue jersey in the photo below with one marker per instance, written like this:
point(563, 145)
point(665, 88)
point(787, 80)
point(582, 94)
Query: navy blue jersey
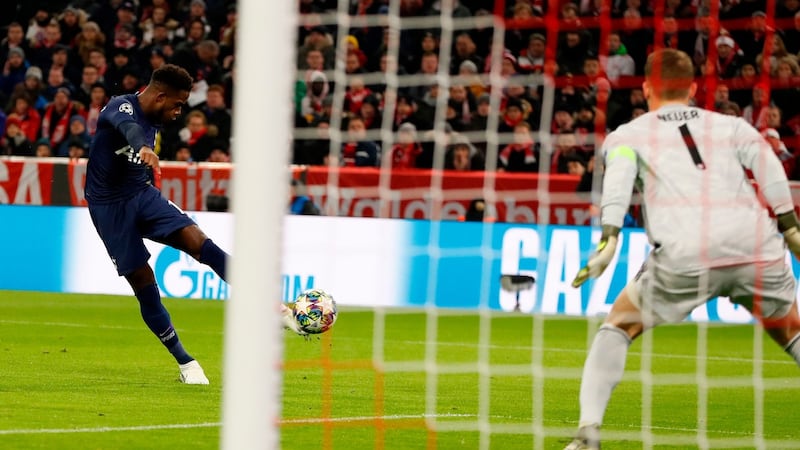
point(114, 171)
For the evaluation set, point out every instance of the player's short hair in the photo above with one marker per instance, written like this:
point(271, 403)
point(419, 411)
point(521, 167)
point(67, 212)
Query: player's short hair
point(173, 77)
point(670, 73)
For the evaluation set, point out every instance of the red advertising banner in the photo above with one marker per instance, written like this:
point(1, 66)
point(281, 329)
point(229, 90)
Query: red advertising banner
point(429, 194)
point(360, 192)
point(25, 181)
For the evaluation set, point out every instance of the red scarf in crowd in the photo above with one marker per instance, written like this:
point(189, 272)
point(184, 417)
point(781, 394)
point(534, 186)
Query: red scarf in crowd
point(196, 135)
point(404, 156)
point(349, 154)
point(62, 127)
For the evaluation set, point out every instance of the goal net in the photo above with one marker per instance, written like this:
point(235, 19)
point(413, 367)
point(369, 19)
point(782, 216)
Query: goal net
point(449, 143)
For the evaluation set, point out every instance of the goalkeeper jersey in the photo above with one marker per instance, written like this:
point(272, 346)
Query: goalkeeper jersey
point(692, 167)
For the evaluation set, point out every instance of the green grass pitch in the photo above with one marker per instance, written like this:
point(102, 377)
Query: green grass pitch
point(83, 372)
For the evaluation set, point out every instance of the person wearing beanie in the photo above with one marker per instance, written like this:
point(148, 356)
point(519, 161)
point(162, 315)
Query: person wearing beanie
point(14, 70)
point(78, 132)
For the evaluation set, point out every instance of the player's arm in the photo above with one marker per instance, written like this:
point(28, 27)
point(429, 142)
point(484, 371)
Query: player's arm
point(755, 154)
point(121, 117)
point(621, 164)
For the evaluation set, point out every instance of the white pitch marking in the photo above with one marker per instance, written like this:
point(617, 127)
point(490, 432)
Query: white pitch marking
point(176, 426)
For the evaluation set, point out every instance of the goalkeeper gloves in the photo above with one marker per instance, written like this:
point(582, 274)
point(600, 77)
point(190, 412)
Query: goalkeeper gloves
point(602, 257)
point(789, 226)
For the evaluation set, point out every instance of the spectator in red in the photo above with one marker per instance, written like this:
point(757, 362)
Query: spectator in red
point(513, 115)
point(29, 119)
point(90, 38)
point(729, 62)
point(198, 136)
point(15, 38)
point(521, 155)
point(125, 37)
point(404, 153)
point(356, 93)
point(356, 150)
point(55, 120)
point(98, 98)
point(216, 112)
point(563, 119)
point(531, 59)
point(14, 141)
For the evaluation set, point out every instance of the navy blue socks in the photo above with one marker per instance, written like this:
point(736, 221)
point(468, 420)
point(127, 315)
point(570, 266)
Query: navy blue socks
point(214, 257)
point(157, 319)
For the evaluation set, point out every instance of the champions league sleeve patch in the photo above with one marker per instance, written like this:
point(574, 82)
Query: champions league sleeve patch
point(126, 108)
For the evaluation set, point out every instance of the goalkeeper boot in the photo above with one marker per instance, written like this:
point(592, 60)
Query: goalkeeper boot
point(588, 438)
point(192, 373)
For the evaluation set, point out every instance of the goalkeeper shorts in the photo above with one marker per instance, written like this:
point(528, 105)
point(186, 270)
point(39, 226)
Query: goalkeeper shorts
point(665, 296)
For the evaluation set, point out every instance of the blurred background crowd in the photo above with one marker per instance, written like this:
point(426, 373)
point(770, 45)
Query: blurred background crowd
point(63, 59)
point(746, 59)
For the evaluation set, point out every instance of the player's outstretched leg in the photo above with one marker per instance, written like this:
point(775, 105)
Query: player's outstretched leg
point(214, 257)
point(604, 368)
point(157, 318)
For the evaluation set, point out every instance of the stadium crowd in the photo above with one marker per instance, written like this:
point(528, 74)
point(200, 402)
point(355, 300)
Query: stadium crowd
point(746, 59)
point(62, 60)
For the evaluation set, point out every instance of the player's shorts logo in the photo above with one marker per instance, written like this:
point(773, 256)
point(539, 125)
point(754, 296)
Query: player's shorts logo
point(126, 108)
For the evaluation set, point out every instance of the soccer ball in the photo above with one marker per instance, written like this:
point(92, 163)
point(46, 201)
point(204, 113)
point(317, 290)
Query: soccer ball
point(314, 311)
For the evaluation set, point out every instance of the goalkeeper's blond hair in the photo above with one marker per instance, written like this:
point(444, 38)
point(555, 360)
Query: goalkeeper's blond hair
point(670, 74)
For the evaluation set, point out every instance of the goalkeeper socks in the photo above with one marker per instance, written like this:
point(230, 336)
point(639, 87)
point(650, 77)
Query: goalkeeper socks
point(157, 319)
point(793, 348)
point(603, 369)
point(214, 257)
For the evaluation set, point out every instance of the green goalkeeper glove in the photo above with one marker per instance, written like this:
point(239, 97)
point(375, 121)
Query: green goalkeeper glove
point(788, 225)
point(602, 257)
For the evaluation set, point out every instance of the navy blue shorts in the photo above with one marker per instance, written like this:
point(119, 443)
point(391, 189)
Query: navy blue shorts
point(122, 225)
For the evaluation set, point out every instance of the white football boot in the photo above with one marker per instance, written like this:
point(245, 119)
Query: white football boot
point(287, 317)
point(588, 438)
point(192, 373)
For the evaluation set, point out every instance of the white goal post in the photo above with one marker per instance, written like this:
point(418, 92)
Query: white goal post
point(251, 398)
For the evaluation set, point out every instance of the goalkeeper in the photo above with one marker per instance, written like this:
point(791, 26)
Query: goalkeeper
point(710, 234)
